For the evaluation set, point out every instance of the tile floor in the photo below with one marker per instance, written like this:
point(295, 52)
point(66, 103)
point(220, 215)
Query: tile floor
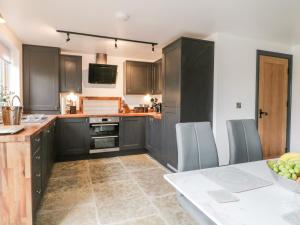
point(127, 190)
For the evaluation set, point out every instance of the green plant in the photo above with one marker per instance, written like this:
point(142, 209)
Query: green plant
point(5, 95)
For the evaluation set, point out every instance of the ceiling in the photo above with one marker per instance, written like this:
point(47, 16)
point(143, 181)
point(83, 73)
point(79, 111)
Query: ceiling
point(35, 22)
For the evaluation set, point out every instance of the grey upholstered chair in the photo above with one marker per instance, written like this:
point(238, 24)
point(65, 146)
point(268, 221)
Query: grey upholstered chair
point(196, 150)
point(244, 141)
point(196, 146)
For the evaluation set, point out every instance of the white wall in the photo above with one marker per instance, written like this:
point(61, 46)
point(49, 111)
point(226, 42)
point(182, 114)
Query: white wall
point(115, 90)
point(12, 42)
point(295, 118)
point(235, 81)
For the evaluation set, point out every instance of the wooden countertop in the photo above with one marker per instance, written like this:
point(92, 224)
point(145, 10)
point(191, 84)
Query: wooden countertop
point(81, 115)
point(32, 129)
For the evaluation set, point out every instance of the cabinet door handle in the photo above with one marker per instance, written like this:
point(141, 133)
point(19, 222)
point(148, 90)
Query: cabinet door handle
point(37, 157)
point(37, 139)
point(38, 175)
point(38, 191)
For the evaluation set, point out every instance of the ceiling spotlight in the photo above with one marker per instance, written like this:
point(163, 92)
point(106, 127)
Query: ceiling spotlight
point(116, 44)
point(152, 47)
point(122, 16)
point(2, 20)
point(68, 37)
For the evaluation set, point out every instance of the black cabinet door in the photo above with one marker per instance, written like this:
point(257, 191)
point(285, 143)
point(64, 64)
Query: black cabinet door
point(44, 155)
point(70, 73)
point(51, 152)
point(171, 79)
point(138, 78)
point(73, 137)
point(36, 172)
point(149, 134)
point(41, 79)
point(157, 77)
point(169, 145)
point(153, 138)
point(132, 133)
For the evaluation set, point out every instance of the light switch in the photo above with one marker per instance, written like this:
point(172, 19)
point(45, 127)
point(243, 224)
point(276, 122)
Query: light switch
point(238, 105)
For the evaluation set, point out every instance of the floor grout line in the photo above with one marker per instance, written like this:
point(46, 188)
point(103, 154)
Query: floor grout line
point(94, 195)
point(146, 196)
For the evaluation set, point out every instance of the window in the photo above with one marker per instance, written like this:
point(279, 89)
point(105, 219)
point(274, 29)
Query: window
point(3, 73)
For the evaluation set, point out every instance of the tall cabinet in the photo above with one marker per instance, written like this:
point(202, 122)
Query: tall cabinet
point(41, 79)
point(188, 73)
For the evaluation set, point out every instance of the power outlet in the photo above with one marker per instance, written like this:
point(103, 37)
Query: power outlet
point(238, 105)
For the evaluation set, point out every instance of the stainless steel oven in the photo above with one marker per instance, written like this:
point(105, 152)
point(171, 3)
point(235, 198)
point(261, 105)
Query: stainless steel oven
point(104, 132)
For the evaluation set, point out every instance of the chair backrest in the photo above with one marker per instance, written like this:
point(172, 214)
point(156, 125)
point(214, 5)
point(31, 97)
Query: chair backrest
point(244, 141)
point(196, 146)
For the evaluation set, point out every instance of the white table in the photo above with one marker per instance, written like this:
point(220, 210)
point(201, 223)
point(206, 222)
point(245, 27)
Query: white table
point(263, 206)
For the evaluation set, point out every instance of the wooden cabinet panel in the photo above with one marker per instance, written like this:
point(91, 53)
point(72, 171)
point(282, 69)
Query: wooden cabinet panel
point(172, 72)
point(132, 133)
point(187, 88)
point(157, 77)
point(41, 79)
point(138, 78)
point(73, 137)
point(169, 145)
point(153, 138)
point(71, 73)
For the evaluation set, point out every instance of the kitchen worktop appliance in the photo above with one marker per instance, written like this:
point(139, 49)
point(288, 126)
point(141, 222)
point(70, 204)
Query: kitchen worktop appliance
point(104, 133)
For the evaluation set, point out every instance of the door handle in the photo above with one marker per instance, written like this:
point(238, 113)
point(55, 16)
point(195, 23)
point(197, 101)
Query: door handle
point(262, 113)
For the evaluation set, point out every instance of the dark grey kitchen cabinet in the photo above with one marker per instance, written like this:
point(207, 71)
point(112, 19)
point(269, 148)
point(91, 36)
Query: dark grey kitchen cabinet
point(41, 79)
point(42, 160)
point(153, 138)
point(36, 172)
point(157, 77)
point(138, 78)
point(132, 133)
point(70, 73)
point(47, 154)
point(188, 75)
point(73, 137)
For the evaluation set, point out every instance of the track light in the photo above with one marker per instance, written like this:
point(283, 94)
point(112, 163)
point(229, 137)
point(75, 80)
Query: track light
point(68, 37)
point(105, 37)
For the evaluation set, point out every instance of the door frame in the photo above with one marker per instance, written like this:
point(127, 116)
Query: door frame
point(290, 71)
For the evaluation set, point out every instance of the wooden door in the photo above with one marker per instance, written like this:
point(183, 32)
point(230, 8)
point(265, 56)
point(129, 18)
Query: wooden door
point(272, 105)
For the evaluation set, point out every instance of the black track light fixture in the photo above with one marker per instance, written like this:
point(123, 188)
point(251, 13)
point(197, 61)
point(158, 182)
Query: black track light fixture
point(106, 37)
point(68, 37)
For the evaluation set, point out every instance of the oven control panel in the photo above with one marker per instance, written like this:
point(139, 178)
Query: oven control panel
point(104, 119)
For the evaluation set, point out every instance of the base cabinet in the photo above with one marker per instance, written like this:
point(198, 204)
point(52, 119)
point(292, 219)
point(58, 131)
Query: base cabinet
point(72, 137)
point(132, 133)
point(153, 138)
point(42, 160)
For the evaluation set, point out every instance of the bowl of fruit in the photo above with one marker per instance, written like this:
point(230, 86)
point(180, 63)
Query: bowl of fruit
point(286, 171)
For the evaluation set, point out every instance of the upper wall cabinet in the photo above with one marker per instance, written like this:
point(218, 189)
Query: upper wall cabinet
point(138, 78)
point(70, 73)
point(41, 79)
point(157, 77)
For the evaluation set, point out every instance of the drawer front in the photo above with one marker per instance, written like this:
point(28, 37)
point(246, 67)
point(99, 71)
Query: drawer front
point(36, 179)
point(36, 142)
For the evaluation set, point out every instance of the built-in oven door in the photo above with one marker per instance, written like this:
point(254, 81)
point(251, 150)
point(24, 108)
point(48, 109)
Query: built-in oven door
point(104, 137)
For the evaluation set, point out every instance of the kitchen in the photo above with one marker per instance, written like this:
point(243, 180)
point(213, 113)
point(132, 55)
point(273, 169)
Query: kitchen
point(121, 115)
point(90, 127)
